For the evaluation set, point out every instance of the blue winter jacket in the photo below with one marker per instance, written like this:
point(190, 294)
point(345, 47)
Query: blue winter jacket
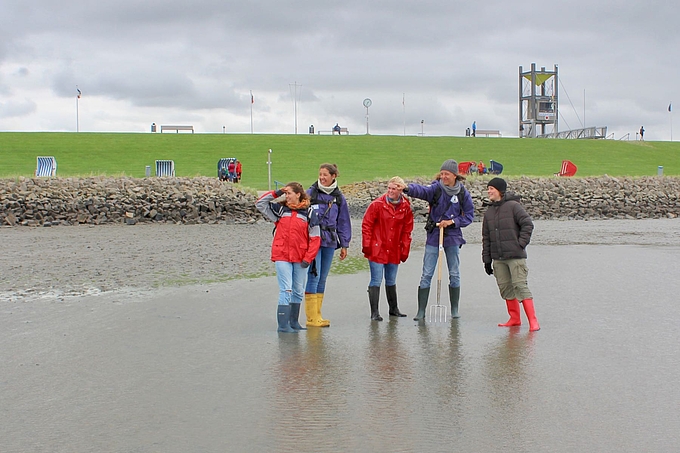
point(447, 208)
point(336, 228)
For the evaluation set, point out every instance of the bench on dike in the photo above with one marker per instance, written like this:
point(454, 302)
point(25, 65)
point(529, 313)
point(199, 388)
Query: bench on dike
point(343, 130)
point(177, 128)
point(487, 132)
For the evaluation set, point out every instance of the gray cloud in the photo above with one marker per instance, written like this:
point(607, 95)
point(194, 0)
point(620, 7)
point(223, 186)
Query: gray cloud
point(455, 62)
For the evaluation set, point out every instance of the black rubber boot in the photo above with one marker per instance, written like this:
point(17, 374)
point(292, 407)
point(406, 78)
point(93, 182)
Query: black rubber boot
point(373, 300)
point(423, 295)
point(391, 293)
point(454, 297)
point(283, 316)
point(294, 315)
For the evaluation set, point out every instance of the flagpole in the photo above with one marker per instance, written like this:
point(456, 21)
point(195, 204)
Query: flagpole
point(77, 114)
point(670, 114)
point(403, 104)
point(251, 111)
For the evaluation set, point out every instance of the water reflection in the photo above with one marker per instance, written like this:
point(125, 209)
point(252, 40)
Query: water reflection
point(310, 392)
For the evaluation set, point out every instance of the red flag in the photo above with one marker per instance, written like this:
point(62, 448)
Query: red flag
point(252, 100)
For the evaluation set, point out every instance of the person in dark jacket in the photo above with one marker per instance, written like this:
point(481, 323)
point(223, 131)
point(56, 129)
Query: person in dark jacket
point(506, 232)
point(336, 233)
point(296, 242)
point(385, 242)
point(451, 208)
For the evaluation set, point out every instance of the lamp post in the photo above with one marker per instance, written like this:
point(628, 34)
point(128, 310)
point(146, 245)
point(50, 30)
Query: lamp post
point(422, 127)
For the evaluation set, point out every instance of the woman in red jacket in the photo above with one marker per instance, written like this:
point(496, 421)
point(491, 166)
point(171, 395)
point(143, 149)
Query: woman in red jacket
point(386, 242)
point(296, 242)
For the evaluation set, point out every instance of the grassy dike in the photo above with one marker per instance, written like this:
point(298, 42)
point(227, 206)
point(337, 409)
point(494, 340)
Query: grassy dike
point(296, 157)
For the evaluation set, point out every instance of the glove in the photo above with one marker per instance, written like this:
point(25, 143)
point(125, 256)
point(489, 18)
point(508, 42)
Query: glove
point(488, 269)
point(304, 264)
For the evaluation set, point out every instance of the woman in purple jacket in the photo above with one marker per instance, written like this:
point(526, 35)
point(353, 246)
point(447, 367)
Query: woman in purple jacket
point(336, 233)
point(451, 208)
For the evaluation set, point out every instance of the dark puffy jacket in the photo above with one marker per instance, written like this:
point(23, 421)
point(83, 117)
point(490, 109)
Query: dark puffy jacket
point(447, 208)
point(336, 228)
point(506, 230)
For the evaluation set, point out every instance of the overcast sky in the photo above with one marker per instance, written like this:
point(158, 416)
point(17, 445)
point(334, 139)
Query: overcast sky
point(444, 62)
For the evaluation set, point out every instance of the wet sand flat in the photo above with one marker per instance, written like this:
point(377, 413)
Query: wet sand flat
point(200, 367)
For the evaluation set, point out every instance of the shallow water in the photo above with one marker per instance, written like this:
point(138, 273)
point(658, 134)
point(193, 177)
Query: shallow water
point(201, 368)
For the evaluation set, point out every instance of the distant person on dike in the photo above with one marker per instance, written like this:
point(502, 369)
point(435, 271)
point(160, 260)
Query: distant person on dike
point(239, 169)
point(336, 128)
point(296, 242)
point(451, 208)
point(642, 133)
point(332, 211)
point(474, 128)
point(386, 242)
point(506, 232)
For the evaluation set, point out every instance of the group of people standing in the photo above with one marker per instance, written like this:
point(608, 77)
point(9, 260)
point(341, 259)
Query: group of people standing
point(311, 225)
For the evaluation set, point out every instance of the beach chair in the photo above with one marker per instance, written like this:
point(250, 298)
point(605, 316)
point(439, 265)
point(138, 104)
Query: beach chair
point(47, 166)
point(165, 168)
point(464, 168)
point(223, 169)
point(495, 168)
point(568, 169)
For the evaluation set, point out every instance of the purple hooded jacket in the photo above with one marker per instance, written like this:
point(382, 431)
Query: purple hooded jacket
point(447, 208)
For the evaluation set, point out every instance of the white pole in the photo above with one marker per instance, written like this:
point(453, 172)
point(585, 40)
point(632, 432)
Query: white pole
point(77, 114)
point(366, 120)
point(251, 111)
point(670, 114)
point(269, 168)
point(403, 104)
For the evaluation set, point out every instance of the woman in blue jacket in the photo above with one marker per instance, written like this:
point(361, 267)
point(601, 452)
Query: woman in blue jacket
point(451, 208)
point(336, 233)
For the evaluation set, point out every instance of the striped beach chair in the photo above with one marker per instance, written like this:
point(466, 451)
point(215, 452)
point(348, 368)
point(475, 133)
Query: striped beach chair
point(165, 168)
point(47, 166)
point(568, 169)
point(223, 169)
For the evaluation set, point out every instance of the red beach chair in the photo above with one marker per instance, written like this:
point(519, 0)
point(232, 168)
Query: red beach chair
point(568, 169)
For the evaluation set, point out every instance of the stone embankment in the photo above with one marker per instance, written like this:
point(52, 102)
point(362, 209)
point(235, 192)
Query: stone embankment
point(102, 200)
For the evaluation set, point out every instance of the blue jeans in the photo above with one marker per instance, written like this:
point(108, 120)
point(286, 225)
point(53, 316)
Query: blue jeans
point(377, 271)
point(324, 259)
point(291, 277)
point(430, 265)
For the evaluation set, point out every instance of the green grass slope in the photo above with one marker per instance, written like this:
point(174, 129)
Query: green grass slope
point(297, 157)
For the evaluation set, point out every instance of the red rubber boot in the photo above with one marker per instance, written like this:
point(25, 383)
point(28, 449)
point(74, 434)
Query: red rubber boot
point(531, 315)
point(513, 310)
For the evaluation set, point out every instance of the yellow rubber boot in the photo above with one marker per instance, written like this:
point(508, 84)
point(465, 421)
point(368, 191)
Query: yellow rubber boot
point(310, 308)
point(319, 302)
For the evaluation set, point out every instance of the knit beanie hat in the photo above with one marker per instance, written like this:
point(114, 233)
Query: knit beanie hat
point(450, 165)
point(499, 184)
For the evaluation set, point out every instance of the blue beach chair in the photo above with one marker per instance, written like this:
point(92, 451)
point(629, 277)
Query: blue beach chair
point(165, 168)
point(47, 166)
point(495, 168)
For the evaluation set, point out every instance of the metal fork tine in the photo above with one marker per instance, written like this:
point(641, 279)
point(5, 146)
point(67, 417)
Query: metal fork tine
point(438, 313)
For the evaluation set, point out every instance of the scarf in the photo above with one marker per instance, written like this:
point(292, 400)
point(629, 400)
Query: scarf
point(450, 191)
point(304, 204)
point(329, 189)
point(393, 202)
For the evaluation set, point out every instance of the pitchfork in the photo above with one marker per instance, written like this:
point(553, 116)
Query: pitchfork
point(439, 312)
